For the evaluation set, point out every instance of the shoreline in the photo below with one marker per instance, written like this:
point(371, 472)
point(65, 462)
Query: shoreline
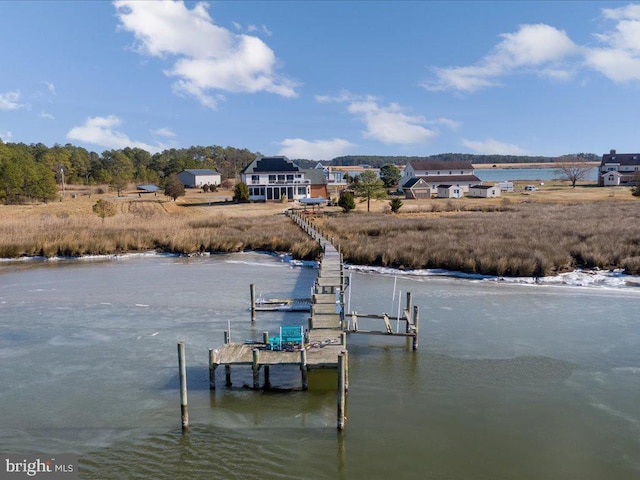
point(520, 166)
point(579, 278)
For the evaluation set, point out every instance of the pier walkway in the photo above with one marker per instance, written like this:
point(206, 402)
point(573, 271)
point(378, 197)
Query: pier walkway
point(324, 342)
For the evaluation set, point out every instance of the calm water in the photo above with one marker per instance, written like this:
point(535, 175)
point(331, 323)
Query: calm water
point(510, 382)
point(511, 174)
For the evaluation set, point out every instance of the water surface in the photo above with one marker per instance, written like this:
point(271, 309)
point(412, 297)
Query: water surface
point(510, 381)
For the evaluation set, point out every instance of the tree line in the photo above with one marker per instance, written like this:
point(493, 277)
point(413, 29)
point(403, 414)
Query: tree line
point(377, 161)
point(35, 171)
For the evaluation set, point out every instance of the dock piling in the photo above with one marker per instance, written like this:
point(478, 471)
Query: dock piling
point(227, 375)
point(182, 366)
point(341, 392)
point(303, 369)
point(252, 289)
point(415, 327)
point(256, 369)
point(212, 369)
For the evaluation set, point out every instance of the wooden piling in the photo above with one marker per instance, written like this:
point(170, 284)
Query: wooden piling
point(252, 289)
point(341, 391)
point(303, 369)
point(265, 338)
point(415, 327)
point(182, 366)
point(267, 377)
point(212, 369)
point(408, 308)
point(227, 375)
point(346, 370)
point(226, 337)
point(256, 369)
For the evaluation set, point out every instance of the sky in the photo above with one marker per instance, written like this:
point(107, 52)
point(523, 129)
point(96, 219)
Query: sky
point(321, 79)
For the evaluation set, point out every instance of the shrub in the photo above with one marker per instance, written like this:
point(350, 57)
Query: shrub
point(241, 193)
point(395, 204)
point(347, 202)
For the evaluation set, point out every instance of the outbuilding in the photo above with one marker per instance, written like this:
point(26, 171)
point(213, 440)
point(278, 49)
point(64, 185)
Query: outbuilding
point(416, 187)
point(484, 191)
point(450, 191)
point(197, 177)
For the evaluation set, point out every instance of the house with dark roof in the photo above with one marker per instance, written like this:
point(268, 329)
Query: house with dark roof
point(619, 169)
point(457, 173)
point(273, 178)
point(416, 188)
point(197, 177)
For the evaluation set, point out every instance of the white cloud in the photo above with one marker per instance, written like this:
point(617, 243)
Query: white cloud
point(619, 56)
point(205, 56)
point(102, 131)
point(389, 125)
point(164, 132)
point(314, 149)
point(538, 48)
point(47, 116)
point(493, 147)
point(447, 122)
point(5, 136)
point(10, 101)
point(51, 87)
point(385, 123)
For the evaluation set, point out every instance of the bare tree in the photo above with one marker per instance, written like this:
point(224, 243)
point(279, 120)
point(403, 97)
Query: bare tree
point(574, 169)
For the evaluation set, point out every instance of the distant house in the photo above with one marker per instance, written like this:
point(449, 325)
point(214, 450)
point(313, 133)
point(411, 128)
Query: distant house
point(458, 173)
point(335, 179)
point(198, 177)
point(450, 191)
point(619, 169)
point(484, 191)
point(505, 186)
point(416, 188)
point(272, 178)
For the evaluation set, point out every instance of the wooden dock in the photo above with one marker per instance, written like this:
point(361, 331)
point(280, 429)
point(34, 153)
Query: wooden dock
point(324, 344)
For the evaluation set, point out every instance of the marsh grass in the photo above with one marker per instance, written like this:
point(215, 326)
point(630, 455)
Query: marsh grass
point(139, 227)
point(505, 239)
point(519, 240)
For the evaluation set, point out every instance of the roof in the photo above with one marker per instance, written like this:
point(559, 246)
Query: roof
point(201, 171)
point(412, 182)
point(148, 188)
point(482, 187)
point(445, 186)
point(441, 165)
point(315, 176)
point(312, 201)
point(271, 164)
point(450, 178)
point(621, 158)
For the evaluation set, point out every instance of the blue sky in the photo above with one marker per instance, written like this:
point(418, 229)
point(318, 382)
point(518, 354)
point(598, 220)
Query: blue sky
point(323, 79)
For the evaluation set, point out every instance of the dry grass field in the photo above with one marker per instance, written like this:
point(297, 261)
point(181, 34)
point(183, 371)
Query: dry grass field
point(553, 229)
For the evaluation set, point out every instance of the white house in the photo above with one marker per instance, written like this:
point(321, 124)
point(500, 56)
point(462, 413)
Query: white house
point(450, 191)
point(198, 177)
point(619, 169)
point(457, 173)
point(484, 191)
point(272, 178)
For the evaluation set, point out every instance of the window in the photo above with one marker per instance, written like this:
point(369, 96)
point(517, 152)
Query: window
point(255, 179)
point(272, 179)
point(289, 178)
point(280, 178)
point(302, 190)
